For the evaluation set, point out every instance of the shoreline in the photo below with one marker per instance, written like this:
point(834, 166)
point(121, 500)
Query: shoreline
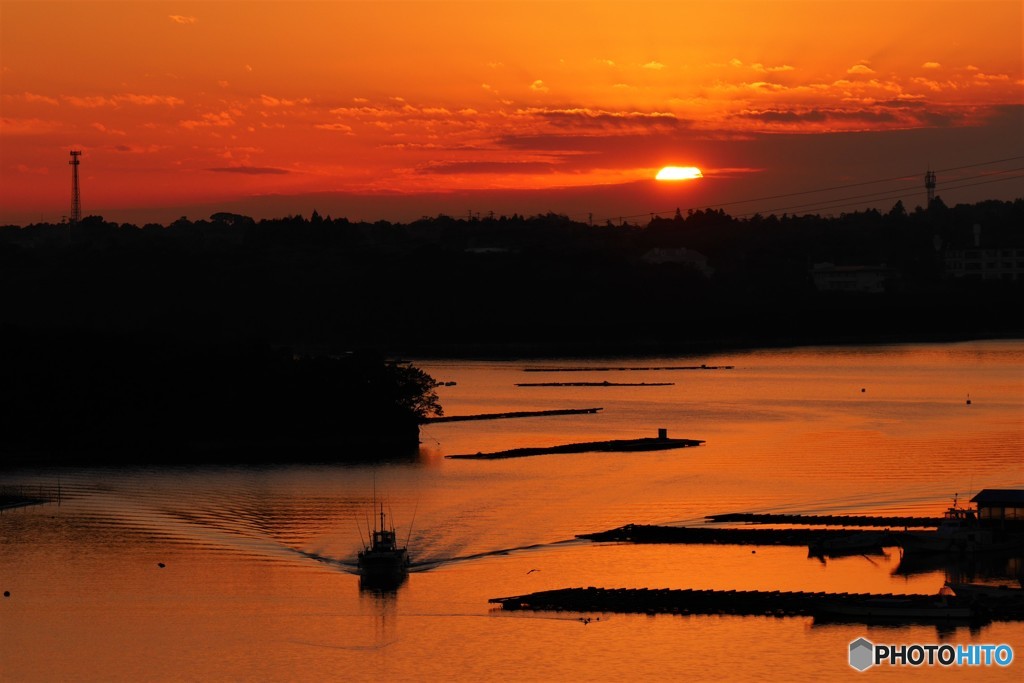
point(658, 349)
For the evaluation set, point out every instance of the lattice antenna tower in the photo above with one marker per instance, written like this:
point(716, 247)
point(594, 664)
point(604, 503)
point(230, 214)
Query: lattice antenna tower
point(929, 184)
point(76, 199)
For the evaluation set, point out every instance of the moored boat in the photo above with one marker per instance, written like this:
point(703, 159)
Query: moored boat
point(959, 532)
point(1003, 596)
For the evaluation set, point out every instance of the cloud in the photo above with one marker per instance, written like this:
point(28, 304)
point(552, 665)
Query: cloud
point(887, 115)
point(931, 65)
point(26, 169)
point(35, 126)
point(587, 114)
point(338, 127)
point(220, 119)
point(765, 86)
point(992, 77)
point(148, 100)
point(88, 102)
point(180, 19)
point(772, 69)
point(38, 99)
point(250, 170)
point(561, 124)
point(654, 65)
point(269, 101)
point(934, 86)
point(860, 69)
point(139, 149)
point(103, 129)
point(538, 86)
point(503, 167)
point(95, 101)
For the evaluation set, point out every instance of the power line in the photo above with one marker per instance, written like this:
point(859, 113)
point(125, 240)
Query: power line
point(951, 185)
point(868, 182)
point(904, 177)
point(831, 204)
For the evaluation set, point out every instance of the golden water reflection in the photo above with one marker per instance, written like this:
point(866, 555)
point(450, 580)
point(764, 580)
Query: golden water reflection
point(258, 579)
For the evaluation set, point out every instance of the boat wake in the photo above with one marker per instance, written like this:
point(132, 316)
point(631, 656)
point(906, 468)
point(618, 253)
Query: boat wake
point(427, 563)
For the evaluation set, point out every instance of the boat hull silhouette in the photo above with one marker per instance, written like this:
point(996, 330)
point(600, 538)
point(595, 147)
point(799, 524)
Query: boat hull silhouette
point(383, 560)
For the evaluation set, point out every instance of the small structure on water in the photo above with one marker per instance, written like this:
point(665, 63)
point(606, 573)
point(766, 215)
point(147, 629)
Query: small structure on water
point(1001, 508)
point(996, 525)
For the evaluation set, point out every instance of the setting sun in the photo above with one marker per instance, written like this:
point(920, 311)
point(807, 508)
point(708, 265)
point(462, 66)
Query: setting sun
point(679, 173)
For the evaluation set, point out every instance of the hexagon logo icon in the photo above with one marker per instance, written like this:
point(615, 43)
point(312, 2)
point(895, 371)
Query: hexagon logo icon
point(861, 654)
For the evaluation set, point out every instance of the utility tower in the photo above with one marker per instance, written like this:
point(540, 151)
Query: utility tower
point(76, 199)
point(929, 184)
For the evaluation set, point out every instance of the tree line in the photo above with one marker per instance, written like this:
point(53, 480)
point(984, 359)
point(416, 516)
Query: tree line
point(512, 284)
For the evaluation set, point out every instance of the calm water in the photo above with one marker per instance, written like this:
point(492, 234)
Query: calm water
point(259, 582)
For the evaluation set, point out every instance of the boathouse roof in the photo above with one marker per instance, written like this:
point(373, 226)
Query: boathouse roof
point(1004, 497)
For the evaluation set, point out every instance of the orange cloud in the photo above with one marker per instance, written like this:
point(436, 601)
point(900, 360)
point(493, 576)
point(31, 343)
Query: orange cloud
point(338, 127)
point(33, 126)
point(218, 119)
point(33, 98)
point(96, 101)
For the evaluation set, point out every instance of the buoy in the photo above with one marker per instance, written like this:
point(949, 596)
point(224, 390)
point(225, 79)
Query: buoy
point(862, 390)
point(7, 594)
point(968, 399)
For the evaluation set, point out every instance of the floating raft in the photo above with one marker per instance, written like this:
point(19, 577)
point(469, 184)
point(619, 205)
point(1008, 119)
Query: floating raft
point(595, 384)
point(754, 603)
point(650, 533)
point(506, 416)
point(615, 446)
point(608, 369)
point(828, 520)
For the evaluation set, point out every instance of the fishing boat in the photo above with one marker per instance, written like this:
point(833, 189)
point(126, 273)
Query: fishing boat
point(1000, 602)
point(959, 532)
point(383, 559)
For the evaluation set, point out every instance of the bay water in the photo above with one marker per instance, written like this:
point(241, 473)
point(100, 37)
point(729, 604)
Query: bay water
point(240, 573)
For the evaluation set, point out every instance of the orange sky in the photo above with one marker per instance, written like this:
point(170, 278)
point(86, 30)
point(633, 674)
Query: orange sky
point(398, 109)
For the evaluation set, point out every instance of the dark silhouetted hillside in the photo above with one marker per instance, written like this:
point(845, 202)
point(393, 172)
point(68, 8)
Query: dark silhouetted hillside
point(68, 396)
point(543, 284)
